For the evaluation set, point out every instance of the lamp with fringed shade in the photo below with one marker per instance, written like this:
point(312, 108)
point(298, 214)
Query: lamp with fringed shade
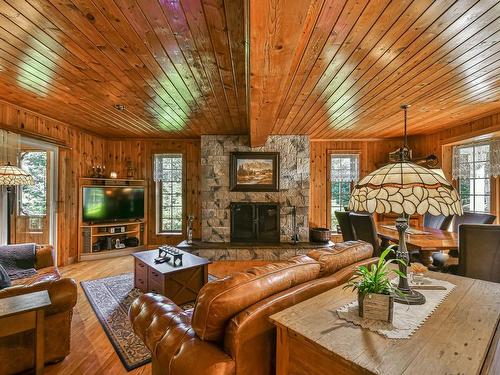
point(405, 188)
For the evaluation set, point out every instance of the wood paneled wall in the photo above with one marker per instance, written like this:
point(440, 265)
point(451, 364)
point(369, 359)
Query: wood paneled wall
point(80, 150)
point(83, 150)
point(140, 153)
point(441, 143)
point(370, 152)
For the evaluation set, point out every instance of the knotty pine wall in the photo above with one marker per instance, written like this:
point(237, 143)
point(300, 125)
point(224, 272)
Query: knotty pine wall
point(83, 150)
point(140, 153)
point(80, 150)
point(441, 143)
point(370, 153)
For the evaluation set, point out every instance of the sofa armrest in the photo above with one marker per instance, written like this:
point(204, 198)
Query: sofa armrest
point(176, 349)
point(62, 292)
point(44, 256)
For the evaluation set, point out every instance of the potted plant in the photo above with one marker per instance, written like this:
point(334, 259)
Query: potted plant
point(375, 290)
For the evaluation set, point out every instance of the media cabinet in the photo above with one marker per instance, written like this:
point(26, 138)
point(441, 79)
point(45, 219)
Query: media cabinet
point(91, 233)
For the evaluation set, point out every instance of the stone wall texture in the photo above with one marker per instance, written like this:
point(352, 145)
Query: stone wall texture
point(216, 197)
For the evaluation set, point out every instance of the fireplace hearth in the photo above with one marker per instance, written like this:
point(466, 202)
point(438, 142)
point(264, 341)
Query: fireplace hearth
point(255, 222)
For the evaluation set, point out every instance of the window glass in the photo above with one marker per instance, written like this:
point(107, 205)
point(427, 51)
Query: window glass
point(169, 168)
point(344, 171)
point(33, 198)
point(475, 188)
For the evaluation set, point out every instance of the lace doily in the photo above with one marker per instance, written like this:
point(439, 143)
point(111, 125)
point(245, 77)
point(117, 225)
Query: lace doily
point(407, 318)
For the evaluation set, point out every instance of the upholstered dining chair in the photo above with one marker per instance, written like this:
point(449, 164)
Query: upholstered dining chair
point(365, 230)
point(345, 225)
point(471, 218)
point(437, 222)
point(478, 253)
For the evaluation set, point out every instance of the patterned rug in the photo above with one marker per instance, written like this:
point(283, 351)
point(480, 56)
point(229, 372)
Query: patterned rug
point(111, 298)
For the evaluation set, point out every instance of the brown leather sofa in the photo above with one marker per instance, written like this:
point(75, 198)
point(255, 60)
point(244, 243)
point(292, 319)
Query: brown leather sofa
point(228, 331)
point(16, 351)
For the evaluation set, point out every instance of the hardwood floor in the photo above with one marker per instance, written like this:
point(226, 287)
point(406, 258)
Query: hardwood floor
point(91, 350)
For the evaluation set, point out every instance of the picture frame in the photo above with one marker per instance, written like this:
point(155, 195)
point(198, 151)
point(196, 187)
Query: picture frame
point(254, 171)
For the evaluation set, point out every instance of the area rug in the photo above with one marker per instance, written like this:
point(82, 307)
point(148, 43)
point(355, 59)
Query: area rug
point(111, 298)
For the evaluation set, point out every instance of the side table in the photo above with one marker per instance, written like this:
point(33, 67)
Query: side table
point(23, 313)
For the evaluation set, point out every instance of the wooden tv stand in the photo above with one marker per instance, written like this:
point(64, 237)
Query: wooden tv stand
point(91, 233)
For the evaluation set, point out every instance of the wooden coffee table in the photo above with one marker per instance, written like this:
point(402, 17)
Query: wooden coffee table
point(181, 284)
point(23, 313)
point(461, 336)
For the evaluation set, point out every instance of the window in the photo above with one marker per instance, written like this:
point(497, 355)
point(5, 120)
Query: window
point(344, 171)
point(33, 198)
point(474, 179)
point(168, 170)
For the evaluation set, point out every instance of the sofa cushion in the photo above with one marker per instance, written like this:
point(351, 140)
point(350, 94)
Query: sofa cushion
point(341, 255)
point(220, 300)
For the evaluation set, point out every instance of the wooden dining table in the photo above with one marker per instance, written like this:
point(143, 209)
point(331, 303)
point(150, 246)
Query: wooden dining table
point(424, 239)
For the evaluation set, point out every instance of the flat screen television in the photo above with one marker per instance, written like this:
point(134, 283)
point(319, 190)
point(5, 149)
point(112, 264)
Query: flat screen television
point(112, 203)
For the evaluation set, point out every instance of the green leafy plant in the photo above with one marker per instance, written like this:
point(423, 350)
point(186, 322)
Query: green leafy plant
point(376, 279)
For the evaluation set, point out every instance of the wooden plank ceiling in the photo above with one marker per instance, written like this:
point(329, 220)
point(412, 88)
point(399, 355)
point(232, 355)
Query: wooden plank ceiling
point(341, 69)
point(176, 67)
point(333, 69)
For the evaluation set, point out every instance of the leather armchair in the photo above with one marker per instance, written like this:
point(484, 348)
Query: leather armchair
point(16, 351)
point(229, 332)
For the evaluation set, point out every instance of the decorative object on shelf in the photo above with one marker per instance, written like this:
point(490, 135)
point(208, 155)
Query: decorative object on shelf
point(405, 188)
point(131, 241)
point(98, 171)
point(254, 171)
point(119, 244)
point(164, 252)
point(130, 169)
point(320, 235)
point(113, 175)
point(190, 220)
point(375, 290)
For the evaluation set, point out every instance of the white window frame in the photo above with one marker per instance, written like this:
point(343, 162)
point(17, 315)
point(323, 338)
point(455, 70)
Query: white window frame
point(159, 195)
point(354, 177)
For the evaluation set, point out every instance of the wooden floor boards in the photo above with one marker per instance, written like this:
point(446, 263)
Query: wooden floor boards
point(91, 350)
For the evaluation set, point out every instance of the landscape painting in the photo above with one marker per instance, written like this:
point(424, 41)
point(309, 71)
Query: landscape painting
point(254, 171)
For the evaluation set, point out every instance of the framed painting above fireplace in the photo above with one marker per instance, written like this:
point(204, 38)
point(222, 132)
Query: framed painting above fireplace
point(254, 171)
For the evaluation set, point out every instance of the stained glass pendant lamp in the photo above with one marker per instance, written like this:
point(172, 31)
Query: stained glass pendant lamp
point(14, 176)
point(405, 188)
point(11, 176)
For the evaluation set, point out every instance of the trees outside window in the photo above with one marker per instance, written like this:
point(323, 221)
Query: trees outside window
point(169, 192)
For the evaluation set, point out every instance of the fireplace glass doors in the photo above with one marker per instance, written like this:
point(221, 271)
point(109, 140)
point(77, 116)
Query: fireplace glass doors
point(255, 222)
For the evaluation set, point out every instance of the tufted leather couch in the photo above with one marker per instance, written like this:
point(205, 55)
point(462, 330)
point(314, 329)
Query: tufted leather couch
point(16, 351)
point(228, 331)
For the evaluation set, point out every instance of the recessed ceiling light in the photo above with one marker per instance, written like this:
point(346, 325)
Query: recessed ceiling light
point(119, 107)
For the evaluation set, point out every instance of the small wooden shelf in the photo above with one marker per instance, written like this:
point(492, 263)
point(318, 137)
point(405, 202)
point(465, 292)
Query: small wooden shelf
point(106, 234)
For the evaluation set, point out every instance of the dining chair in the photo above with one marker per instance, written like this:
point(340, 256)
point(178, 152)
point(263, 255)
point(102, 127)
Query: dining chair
point(471, 218)
point(365, 230)
point(345, 225)
point(437, 222)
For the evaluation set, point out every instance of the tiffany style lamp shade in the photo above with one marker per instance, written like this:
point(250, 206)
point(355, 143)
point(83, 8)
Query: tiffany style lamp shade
point(14, 176)
point(11, 176)
point(405, 188)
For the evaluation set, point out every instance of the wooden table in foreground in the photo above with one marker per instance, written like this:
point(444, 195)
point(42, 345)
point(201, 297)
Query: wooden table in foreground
point(23, 313)
point(181, 284)
point(435, 240)
point(460, 337)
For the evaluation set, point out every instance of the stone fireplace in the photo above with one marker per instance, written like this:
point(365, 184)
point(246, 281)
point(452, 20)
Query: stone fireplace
point(217, 198)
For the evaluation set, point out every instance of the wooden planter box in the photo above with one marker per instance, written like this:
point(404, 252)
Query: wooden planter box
point(376, 306)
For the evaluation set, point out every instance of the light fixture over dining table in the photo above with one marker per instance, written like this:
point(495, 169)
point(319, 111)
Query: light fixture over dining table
point(405, 188)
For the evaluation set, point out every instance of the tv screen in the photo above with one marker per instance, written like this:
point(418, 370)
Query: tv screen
point(105, 203)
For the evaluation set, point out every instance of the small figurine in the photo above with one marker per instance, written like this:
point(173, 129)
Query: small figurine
point(190, 229)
